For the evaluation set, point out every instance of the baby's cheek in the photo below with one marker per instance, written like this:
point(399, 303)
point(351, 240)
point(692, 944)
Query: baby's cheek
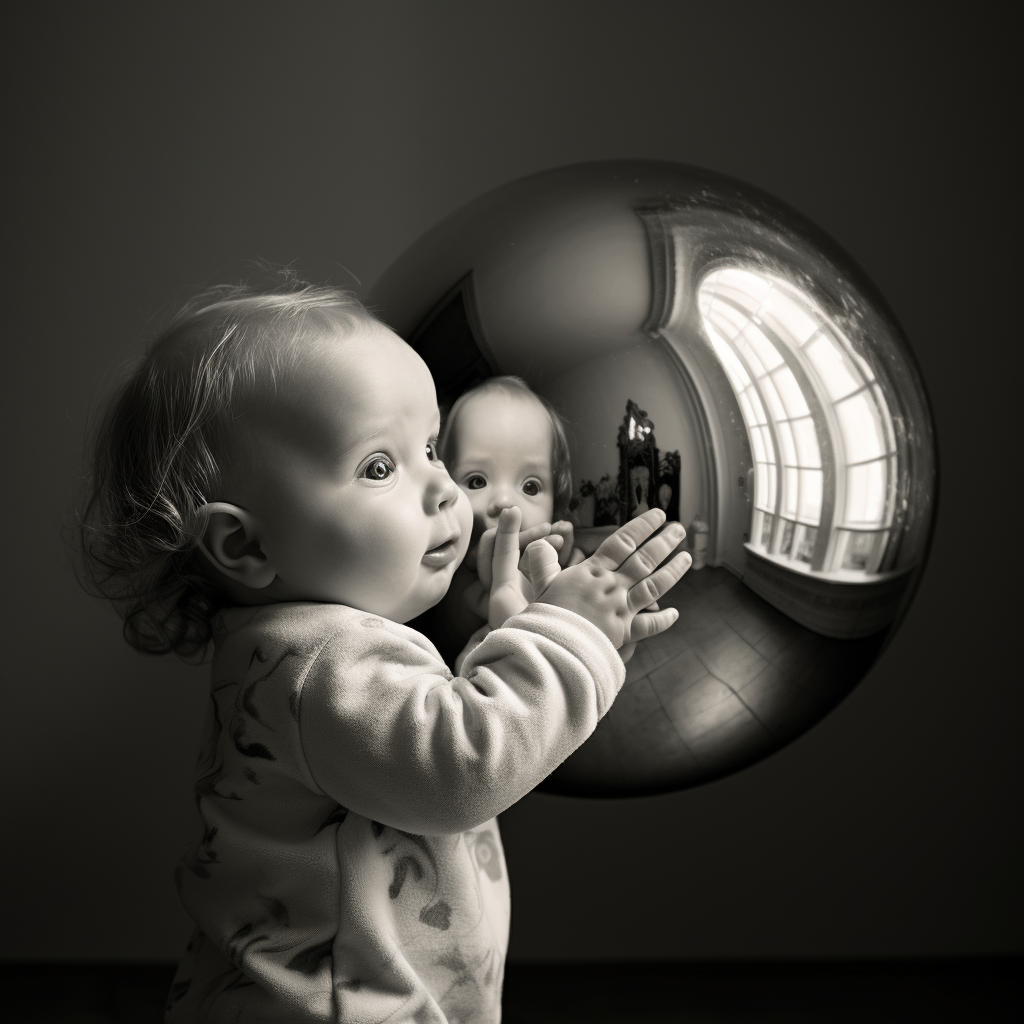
point(464, 513)
point(476, 512)
point(535, 513)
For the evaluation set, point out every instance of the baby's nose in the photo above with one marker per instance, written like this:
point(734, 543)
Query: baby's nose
point(501, 500)
point(444, 492)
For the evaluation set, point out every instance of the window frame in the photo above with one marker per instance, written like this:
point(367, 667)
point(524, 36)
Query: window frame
point(834, 529)
point(720, 228)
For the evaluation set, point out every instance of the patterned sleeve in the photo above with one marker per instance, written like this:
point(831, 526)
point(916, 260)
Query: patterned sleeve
point(389, 733)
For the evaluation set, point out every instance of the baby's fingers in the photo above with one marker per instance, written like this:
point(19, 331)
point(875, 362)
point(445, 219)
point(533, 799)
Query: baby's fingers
point(562, 530)
point(541, 565)
point(614, 550)
point(527, 537)
point(650, 588)
point(505, 561)
point(650, 555)
point(648, 624)
point(484, 555)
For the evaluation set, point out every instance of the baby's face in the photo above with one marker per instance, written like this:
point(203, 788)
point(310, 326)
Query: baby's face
point(500, 455)
point(354, 505)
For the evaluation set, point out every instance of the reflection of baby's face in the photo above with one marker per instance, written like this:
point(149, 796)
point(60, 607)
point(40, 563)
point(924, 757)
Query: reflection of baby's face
point(500, 455)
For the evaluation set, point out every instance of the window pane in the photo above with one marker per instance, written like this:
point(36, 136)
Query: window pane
point(866, 487)
point(748, 413)
point(832, 368)
point(789, 491)
point(806, 537)
point(755, 404)
point(792, 397)
point(766, 529)
point(784, 313)
point(788, 452)
point(863, 551)
point(810, 495)
point(767, 353)
point(807, 449)
point(744, 284)
point(738, 376)
point(858, 422)
point(771, 397)
point(749, 356)
point(761, 488)
point(773, 482)
point(787, 537)
point(729, 320)
point(757, 445)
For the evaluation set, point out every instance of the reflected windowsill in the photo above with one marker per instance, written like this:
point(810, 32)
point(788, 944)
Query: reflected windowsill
point(834, 576)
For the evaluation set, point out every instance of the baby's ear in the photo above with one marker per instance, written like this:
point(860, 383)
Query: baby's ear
point(231, 543)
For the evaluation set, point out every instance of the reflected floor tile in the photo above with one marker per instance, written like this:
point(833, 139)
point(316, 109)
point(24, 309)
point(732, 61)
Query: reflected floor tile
point(705, 708)
point(679, 674)
point(752, 624)
point(732, 660)
point(775, 699)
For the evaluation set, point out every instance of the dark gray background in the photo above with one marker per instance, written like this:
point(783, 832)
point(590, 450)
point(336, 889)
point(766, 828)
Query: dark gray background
point(153, 149)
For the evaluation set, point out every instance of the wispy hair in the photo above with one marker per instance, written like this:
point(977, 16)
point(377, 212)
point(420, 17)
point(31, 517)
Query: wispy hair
point(158, 452)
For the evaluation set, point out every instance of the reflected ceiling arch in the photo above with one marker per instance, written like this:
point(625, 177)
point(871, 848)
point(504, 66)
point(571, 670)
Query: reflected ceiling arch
point(644, 285)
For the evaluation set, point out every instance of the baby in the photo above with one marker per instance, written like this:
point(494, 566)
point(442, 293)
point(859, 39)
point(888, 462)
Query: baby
point(268, 482)
point(505, 446)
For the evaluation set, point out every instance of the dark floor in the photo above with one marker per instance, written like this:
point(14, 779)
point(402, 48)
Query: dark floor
point(956, 991)
point(729, 682)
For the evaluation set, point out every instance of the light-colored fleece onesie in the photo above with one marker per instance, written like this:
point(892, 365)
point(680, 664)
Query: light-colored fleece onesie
point(350, 867)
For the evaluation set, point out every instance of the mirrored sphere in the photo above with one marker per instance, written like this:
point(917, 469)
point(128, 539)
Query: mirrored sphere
point(714, 354)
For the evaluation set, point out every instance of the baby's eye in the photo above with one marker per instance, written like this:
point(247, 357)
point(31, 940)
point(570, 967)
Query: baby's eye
point(379, 467)
point(432, 451)
point(531, 488)
point(475, 482)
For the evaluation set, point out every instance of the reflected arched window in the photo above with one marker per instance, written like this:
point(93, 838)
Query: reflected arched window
point(820, 432)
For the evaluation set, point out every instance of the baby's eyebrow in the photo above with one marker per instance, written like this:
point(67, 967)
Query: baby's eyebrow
point(372, 437)
point(367, 440)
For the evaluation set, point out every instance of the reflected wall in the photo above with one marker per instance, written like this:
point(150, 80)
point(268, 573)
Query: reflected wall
point(715, 354)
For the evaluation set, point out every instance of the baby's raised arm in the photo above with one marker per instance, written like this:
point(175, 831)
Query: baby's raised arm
point(388, 733)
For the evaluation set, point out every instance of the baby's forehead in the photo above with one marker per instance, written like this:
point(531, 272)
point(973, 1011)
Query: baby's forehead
point(503, 426)
point(488, 400)
point(321, 386)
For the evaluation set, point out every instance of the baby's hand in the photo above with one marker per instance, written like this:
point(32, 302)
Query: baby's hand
point(562, 530)
point(478, 594)
point(622, 578)
point(485, 549)
point(510, 590)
